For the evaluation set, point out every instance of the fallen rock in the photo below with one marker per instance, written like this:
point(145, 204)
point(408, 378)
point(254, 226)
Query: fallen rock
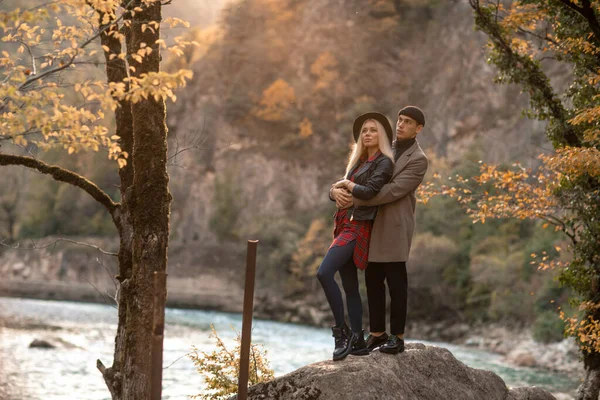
point(53, 343)
point(420, 373)
point(521, 358)
point(41, 344)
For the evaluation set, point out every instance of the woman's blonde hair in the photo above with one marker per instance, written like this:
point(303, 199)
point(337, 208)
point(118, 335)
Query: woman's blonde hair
point(358, 148)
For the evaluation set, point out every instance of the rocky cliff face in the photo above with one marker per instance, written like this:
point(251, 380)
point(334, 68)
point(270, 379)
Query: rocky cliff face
point(421, 372)
point(54, 259)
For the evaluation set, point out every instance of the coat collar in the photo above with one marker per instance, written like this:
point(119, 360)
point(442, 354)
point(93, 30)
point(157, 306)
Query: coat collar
point(366, 164)
point(403, 160)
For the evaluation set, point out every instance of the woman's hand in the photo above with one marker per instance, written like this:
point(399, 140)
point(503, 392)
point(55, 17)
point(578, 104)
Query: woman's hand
point(344, 184)
point(341, 183)
point(342, 197)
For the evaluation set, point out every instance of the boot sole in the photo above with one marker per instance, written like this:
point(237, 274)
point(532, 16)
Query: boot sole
point(344, 354)
point(390, 351)
point(376, 347)
point(341, 356)
point(362, 352)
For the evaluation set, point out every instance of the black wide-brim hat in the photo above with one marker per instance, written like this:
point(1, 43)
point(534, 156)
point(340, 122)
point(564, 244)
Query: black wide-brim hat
point(358, 123)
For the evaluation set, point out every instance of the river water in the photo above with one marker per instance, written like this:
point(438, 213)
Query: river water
point(69, 372)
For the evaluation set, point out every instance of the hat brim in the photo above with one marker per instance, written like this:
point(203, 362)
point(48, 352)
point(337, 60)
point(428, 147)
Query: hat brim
point(358, 123)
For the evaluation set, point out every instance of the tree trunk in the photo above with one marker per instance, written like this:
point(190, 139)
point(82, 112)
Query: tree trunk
point(150, 216)
point(590, 387)
point(116, 72)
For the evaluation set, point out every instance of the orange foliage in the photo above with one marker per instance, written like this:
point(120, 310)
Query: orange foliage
point(306, 128)
point(50, 96)
point(497, 193)
point(586, 329)
point(325, 68)
point(277, 99)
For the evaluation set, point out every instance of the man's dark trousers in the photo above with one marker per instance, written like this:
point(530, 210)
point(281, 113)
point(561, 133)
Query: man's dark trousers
point(376, 275)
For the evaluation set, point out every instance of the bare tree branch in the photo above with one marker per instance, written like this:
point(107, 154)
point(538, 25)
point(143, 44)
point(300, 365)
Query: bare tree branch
point(572, 6)
point(7, 137)
point(196, 143)
point(63, 175)
point(543, 38)
point(36, 247)
point(177, 359)
point(102, 294)
point(115, 283)
point(42, 5)
point(33, 65)
point(558, 222)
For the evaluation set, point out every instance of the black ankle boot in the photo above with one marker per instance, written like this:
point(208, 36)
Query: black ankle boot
point(359, 346)
point(394, 345)
point(374, 342)
point(343, 346)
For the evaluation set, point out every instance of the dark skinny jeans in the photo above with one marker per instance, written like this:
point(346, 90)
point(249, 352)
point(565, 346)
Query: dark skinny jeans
point(340, 259)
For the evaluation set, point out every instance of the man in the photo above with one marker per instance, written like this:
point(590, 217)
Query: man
point(392, 233)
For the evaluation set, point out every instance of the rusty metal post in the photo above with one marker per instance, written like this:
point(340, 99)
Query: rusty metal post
point(247, 320)
point(158, 328)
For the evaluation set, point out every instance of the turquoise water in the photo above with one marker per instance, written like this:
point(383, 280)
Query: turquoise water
point(70, 373)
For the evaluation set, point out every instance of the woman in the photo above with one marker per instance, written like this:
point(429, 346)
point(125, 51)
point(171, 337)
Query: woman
point(370, 167)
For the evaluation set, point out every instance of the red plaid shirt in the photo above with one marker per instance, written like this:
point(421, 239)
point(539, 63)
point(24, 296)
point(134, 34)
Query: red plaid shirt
point(346, 230)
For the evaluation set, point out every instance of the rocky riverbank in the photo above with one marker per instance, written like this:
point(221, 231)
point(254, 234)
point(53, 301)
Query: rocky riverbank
point(518, 348)
point(421, 372)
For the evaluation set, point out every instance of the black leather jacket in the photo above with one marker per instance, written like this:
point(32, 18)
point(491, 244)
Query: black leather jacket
point(369, 180)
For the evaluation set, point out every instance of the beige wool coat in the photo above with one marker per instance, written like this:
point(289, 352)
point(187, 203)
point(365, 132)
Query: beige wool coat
point(394, 224)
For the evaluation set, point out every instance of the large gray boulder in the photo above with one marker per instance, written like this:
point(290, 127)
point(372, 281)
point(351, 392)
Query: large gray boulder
point(420, 373)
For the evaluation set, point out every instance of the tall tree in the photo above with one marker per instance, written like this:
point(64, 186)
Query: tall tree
point(51, 99)
point(525, 36)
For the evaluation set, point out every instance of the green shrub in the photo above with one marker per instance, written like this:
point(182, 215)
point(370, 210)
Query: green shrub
point(511, 304)
point(228, 207)
point(548, 328)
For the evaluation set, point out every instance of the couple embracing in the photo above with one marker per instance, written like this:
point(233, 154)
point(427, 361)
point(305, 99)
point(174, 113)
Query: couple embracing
point(374, 226)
